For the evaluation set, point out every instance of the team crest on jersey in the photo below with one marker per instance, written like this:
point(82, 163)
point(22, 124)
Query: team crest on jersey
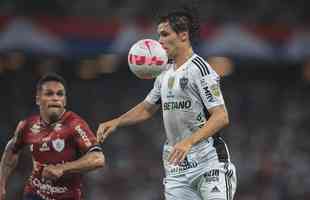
point(35, 128)
point(58, 144)
point(171, 82)
point(215, 90)
point(183, 82)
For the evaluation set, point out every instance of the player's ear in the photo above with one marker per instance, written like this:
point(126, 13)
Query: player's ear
point(37, 100)
point(183, 36)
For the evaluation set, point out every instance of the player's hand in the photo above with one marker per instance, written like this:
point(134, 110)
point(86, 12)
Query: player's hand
point(180, 151)
point(52, 172)
point(106, 128)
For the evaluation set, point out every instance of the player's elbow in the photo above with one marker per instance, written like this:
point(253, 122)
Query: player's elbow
point(225, 119)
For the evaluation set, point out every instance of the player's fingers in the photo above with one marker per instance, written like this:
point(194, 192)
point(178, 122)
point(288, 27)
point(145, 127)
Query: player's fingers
point(171, 156)
point(107, 132)
point(183, 157)
point(174, 157)
point(178, 158)
point(100, 132)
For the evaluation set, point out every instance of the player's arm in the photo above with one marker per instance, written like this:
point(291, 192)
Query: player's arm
point(9, 161)
point(137, 114)
point(218, 119)
point(86, 143)
point(88, 162)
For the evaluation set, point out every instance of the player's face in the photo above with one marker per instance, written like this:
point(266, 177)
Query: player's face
point(51, 99)
point(168, 38)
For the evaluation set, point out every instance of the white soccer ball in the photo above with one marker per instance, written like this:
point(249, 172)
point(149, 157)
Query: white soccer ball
point(147, 59)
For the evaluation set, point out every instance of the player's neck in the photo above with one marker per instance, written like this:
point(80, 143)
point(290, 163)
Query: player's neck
point(48, 121)
point(183, 56)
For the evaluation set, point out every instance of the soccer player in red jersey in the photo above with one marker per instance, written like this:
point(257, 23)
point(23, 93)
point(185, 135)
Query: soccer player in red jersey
point(61, 143)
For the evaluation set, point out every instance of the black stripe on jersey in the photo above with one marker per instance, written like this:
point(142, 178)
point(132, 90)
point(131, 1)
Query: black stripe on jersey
point(228, 187)
point(220, 147)
point(203, 63)
point(199, 67)
point(199, 61)
point(158, 102)
point(228, 182)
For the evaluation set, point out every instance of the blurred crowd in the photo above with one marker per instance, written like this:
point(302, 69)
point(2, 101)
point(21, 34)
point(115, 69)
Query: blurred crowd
point(268, 135)
point(256, 11)
point(268, 100)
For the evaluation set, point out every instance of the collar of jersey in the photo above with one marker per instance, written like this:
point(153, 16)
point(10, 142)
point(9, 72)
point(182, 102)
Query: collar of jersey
point(46, 124)
point(184, 64)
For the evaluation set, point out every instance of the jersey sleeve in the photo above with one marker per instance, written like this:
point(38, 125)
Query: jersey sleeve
point(18, 137)
point(85, 138)
point(154, 96)
point(208, 86)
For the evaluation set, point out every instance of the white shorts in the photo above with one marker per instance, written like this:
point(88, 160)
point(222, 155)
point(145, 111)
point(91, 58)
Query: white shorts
point(216, 181)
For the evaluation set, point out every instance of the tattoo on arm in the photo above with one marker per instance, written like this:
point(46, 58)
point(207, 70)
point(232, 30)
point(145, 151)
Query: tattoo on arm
point(8, 161)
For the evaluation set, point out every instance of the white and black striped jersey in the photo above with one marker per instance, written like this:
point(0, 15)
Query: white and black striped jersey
point(185, 95)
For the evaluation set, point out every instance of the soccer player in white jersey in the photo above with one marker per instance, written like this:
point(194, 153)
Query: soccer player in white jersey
point(196, 159)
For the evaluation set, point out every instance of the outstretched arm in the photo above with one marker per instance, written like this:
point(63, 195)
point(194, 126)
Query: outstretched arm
point(9, 160)
point(7, 165)
point(90, 161)
point(137, 114)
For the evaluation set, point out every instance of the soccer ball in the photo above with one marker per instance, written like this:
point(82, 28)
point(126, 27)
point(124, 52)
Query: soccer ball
point(147, 59)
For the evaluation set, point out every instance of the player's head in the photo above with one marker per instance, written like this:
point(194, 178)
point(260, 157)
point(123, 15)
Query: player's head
point(51, 96)
point(177, 29)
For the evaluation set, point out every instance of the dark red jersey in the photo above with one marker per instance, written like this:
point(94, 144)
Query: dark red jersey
point(63, 141)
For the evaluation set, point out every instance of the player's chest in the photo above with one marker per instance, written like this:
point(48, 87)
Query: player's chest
point(176, 85)
point(48, 139)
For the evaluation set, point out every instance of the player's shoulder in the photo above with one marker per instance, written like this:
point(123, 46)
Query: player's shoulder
point(73, 119)
point(31, 120)
point(31, 123)
point(199, 67)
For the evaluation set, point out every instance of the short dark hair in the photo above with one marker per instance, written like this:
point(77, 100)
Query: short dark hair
point(51, 77)
point(183, 20)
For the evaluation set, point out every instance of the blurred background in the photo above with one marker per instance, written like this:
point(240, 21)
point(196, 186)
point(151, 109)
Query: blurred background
point(261, 48)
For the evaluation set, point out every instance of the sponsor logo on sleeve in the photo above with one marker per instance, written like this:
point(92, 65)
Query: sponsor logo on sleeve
point(208, 94)
point(83, 135)
point(215, 90)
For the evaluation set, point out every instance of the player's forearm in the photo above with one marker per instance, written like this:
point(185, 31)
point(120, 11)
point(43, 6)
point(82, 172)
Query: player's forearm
point(88, 162)
point(8, 162)
point(215, 123)
point(139, 113)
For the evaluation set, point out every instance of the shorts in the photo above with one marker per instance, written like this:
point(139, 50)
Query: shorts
point(32, 197)
point(217, 182)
